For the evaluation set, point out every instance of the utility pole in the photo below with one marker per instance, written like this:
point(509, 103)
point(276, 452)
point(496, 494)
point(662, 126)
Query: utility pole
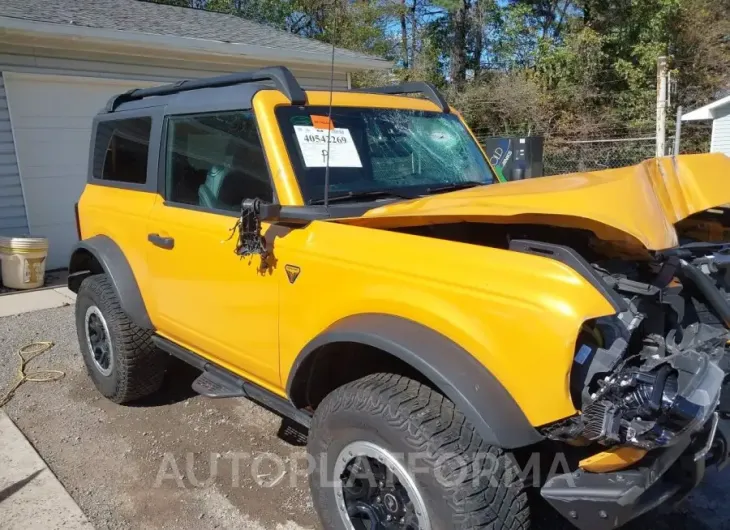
point(661, 106)
point(678, 132)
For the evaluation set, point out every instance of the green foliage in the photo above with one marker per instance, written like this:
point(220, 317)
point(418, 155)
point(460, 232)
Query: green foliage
point(558, 67)
point(504, 104)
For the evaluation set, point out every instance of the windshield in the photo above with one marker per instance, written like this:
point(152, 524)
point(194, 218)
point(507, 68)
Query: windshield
point(406, 152)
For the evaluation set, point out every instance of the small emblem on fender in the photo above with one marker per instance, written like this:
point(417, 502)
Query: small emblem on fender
point(292, 272)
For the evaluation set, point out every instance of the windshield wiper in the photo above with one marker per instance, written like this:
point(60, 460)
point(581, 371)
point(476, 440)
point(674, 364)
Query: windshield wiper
point(453, 186)
point(359, 195)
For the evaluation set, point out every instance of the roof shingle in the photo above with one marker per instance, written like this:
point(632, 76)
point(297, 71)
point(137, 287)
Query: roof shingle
point(147, 17)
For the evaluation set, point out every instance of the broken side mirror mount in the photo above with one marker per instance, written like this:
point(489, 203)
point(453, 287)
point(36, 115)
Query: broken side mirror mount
point(255, 211)
point(250, 239)
point(267, 212)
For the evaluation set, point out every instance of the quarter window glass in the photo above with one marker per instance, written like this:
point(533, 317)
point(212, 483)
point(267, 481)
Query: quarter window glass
point(216, 161)
point(121, 150)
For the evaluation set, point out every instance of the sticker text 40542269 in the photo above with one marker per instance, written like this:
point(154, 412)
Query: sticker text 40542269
point(322, 138)
point(313, 145)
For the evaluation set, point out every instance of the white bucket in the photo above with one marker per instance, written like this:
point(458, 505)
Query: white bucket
point(23, 261)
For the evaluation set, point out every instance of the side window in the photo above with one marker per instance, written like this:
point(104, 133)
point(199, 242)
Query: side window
point(215, 161)
point(121, 148)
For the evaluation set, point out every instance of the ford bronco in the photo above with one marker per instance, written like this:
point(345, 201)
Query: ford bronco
point(350, 260)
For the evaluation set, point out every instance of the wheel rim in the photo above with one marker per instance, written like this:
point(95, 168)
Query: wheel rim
point(99, 341)
point(376, 492)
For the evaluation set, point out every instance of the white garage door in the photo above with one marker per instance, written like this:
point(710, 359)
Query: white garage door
point(51, 121)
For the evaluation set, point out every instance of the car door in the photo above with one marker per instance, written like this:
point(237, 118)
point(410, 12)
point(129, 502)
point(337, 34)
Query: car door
point(206, 297)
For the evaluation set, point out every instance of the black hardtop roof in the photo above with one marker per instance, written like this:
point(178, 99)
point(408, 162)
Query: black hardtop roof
point(281, 77)
point(242, 87)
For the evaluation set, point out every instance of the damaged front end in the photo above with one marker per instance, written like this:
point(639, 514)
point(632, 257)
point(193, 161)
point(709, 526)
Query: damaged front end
point(652, 377)
point(654, 372)
point(650, 380)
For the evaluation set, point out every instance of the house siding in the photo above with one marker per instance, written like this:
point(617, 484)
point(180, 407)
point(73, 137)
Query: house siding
point(22, 59)
point(721, 132)
point(88, 64)
point(13, 218)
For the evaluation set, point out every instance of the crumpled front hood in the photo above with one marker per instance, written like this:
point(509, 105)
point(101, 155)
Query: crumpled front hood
point(633, 204)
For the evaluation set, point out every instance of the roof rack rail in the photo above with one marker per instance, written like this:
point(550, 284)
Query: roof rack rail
point(281, 76)
point(414, 87)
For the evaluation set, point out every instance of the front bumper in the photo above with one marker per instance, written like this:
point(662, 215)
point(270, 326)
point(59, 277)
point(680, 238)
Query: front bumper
point(602, 501)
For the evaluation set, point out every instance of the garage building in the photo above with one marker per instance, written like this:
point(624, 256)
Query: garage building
point(719, 113)
point(61, 61)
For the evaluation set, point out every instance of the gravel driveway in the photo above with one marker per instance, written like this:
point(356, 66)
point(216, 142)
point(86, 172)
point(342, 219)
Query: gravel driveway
point(119, 462)
point(149, 466)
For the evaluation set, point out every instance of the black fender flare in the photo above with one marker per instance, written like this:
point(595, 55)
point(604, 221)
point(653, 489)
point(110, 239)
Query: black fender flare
point(457, 374)
point(114, 263)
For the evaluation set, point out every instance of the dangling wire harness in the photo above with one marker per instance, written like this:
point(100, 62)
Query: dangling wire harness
point(250, 240)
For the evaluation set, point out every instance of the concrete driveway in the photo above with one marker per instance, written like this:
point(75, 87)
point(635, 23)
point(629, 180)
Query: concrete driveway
point(181, 461)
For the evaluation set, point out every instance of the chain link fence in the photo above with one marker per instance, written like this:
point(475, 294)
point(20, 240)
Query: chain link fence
point(594, 155)
point(613, 150)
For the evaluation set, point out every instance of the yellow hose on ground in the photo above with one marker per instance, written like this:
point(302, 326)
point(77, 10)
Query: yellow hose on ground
point(27, 353)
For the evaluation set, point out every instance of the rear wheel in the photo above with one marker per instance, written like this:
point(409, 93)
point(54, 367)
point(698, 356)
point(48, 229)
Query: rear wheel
point(393, 454)
point(120, 357)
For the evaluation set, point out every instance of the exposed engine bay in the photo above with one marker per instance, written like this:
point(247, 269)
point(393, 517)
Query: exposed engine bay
point(655, 371)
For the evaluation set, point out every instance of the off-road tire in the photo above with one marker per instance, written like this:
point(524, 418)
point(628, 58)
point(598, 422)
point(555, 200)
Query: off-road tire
point(139, 366)
point(404, 416)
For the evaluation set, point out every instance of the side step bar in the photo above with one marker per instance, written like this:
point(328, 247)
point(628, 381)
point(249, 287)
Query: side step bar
point(214, 384)
point(217, 382)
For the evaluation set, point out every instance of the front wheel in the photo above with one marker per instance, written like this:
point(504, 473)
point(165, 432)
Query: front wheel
point(392, 454)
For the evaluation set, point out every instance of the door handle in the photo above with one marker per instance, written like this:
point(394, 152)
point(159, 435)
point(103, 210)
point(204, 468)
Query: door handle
point(168, 243)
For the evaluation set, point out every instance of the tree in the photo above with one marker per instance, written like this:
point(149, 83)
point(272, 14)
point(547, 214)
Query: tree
point(701, 50)
point(558, 67)
point(459, 29)
point(404, 33)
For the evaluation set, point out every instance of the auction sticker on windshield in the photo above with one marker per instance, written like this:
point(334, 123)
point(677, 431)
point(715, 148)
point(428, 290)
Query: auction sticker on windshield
point(313, 144)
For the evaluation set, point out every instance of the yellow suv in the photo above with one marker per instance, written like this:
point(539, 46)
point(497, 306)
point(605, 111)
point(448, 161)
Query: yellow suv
point(454, 344)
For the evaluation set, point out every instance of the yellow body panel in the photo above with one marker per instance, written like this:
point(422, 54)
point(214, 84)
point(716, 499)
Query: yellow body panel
point(121, 215)
point(517, 314)
point(638, 204)
point(210, 300)
point(486, 300)
point(612, 460)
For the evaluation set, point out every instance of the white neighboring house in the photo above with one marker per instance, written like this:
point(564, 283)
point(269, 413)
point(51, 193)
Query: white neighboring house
point(719, 113)
point(60, 61)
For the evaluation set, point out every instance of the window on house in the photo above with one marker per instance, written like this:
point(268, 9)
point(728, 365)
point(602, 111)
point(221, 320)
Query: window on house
point(121, 150)
point(216, 161)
